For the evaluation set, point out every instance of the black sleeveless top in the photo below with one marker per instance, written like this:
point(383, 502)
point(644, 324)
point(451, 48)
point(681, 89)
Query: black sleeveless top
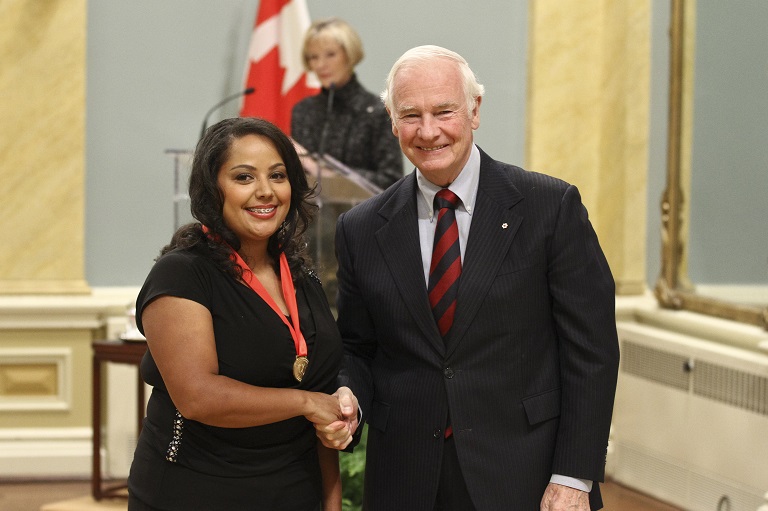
point(184, 464)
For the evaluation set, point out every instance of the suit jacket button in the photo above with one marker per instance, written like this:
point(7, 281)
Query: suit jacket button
point(448, 373)
point(438, 433)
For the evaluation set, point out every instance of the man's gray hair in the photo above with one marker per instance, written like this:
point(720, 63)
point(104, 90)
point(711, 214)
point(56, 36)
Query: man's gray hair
point(425, 54)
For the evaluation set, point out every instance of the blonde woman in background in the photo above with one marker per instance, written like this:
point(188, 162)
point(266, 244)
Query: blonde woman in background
point(344, 120)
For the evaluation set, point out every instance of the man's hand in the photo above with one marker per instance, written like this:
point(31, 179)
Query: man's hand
point(563, 498)
point(338, 434)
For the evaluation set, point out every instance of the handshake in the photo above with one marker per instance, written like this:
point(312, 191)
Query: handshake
point(336, 418)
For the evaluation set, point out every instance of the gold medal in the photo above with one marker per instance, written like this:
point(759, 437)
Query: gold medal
point(300, 367)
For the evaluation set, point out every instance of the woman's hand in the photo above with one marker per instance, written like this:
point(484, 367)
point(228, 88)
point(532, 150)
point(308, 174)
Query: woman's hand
point(338, 434)
point(322, 408)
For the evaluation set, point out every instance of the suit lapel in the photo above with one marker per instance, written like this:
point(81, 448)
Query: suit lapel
point(494, 226)
point(398, 241)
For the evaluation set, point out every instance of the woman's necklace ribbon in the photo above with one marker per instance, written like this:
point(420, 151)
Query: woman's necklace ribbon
point(289, 295)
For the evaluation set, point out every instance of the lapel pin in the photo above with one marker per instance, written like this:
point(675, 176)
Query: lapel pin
point(504, 225)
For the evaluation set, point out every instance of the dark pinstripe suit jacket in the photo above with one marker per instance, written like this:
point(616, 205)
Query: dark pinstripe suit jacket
point(528, 372)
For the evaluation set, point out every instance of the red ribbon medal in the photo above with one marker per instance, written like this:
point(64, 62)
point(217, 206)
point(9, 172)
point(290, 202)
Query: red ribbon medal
point(289, 295)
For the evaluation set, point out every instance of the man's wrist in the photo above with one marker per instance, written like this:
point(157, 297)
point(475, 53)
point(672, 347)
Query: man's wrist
point(572, 482)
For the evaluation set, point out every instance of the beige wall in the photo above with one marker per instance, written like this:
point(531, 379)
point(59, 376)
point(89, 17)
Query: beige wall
point(42, 146)
point(588, 114)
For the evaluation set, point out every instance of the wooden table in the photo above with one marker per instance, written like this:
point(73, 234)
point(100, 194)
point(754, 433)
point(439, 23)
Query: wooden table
point(119, 352)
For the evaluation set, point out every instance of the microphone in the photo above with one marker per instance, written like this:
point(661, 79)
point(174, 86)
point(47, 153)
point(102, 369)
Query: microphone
point(329, 110)
point(249, 90)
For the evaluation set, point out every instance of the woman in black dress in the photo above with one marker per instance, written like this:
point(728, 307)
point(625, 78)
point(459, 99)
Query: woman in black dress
point(243, 348)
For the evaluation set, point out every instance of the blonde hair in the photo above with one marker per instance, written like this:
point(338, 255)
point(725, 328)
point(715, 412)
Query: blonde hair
point(340, 31)
point(424, 54)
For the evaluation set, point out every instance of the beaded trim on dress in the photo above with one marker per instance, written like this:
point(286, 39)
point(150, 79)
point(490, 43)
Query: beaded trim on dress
point(173, 447)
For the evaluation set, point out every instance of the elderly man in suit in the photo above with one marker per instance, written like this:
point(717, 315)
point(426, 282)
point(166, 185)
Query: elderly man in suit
point(477, 312)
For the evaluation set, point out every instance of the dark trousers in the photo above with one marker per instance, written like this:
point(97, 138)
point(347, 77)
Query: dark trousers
point(452, 494)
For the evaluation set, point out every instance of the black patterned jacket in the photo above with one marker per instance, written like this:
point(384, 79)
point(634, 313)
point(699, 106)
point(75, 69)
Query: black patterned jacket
point(359, 132)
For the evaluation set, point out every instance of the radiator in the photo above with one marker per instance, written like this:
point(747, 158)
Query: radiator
point(690, 421)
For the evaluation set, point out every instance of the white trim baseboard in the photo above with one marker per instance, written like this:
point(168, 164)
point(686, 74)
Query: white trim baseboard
point(45, 453)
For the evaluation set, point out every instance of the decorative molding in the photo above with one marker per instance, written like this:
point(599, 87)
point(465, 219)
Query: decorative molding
point(28, 450)
point(60, 358)
point(747, 294)
point(645, 310)
point(65, 312)
point(44, 287)
point(680, 299)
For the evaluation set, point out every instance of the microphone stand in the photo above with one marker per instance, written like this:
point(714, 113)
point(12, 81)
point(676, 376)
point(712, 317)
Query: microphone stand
point(249, 90)
point(320, 158)
point(328, 113)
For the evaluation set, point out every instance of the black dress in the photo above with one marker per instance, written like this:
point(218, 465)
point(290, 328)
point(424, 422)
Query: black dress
point(180, 464)
point(359, 132)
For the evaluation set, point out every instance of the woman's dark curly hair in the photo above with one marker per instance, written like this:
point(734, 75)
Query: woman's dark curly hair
point(207, 202)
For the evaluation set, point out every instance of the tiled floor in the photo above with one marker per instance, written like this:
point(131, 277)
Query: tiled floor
point(66, 496)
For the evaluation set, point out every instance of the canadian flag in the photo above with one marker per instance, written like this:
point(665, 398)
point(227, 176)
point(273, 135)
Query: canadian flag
point(275, 66)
